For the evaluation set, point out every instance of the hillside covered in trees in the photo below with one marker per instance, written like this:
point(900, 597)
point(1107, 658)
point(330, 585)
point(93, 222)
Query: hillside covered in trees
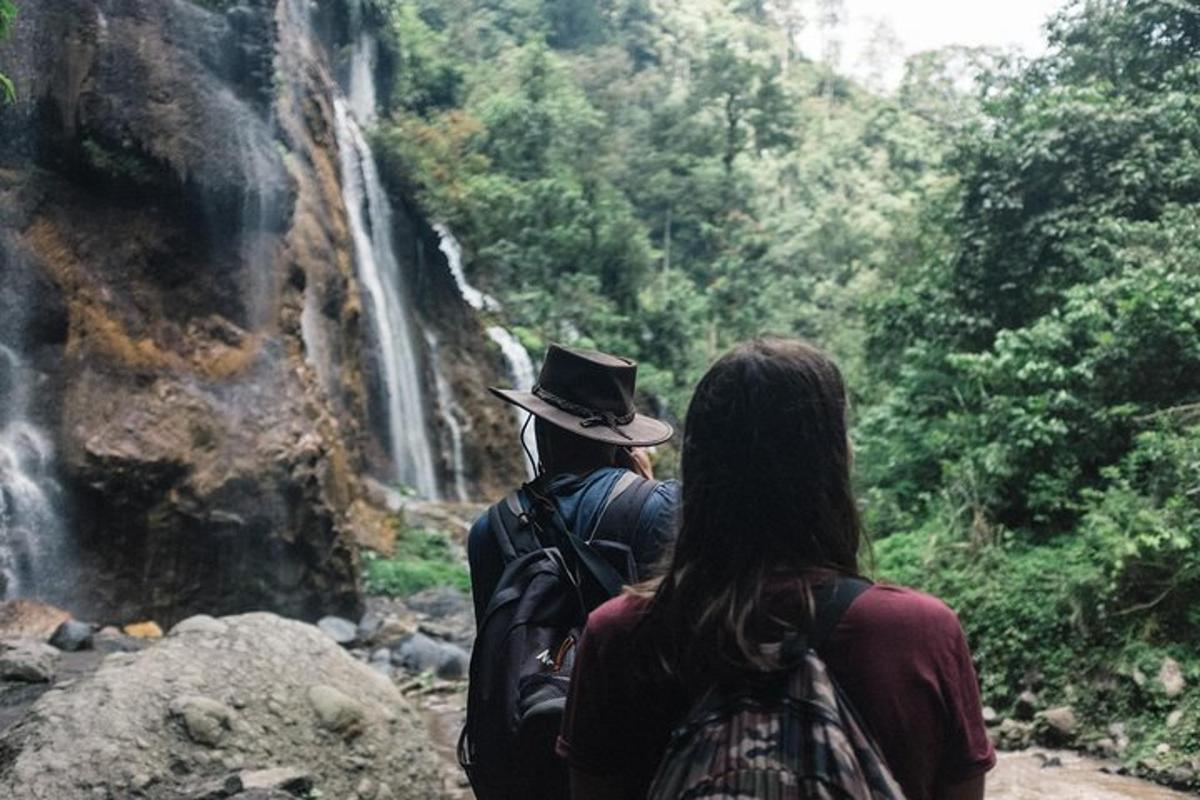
point(1005, 256)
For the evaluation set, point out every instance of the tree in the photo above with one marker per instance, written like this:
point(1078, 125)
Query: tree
point(752, 101)
point(8, 14)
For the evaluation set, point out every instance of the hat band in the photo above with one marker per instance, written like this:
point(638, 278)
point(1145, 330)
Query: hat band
point(589, 417)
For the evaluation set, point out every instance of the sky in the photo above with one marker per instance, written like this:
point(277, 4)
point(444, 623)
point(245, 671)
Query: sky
point(927, 24)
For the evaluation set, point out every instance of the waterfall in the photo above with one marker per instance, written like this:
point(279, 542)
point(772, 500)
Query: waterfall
point(520, 370)
point(33, 541)
point(452, 250)
point(361, 92)
point(520, 366)
point(452, 415)
point(370, 216)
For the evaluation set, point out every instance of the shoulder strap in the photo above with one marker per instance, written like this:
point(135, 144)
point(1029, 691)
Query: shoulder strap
point(588, 561)
point(832, 604)
point(619, 518)
point(511, 526)
point(618, 488)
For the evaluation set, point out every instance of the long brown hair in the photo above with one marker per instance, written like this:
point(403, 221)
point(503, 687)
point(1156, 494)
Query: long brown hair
point(766, 493)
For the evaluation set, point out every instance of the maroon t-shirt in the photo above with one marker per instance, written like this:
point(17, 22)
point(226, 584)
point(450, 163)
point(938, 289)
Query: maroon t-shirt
point(899, 655)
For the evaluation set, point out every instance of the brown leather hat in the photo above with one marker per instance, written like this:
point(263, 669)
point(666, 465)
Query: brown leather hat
point(589, 394)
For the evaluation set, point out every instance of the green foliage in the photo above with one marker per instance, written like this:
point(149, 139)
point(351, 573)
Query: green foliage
point(8, 15)
point(1003, 256)
point(651, 180)
point(423, 558)
point(1032, 440)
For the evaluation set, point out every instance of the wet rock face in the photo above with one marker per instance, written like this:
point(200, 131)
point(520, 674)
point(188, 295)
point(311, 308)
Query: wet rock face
point(220, 707)
point(171, 213)
point(172, 222)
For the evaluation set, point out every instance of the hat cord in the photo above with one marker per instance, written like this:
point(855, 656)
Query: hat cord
point(589, 417)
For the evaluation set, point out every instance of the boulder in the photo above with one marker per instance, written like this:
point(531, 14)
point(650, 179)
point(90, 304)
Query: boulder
point(340, 629)
point(1013, 734)
point(393, 629)
point(112, 640)
point(203, 712)
point(143, 630)
point(1106, 747)
point(72, 636)
point(27, 661)
point(418, 653)
point(1170, 677)
point(454, 664)
point(1026, 706)
point(30, 619)
point(1057, 726)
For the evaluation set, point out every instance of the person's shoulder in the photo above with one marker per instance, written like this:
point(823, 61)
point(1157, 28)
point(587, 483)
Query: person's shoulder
point(618, 616)
point(668, 490)
point(902, 612)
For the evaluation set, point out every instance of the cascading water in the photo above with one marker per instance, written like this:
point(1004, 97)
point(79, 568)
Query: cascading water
point(33, 545)
point(520, 366)
point(370, 216)
point(452, 414)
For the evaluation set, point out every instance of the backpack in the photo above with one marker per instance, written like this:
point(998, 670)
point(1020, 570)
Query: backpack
point(785, 735)
point(525, 648)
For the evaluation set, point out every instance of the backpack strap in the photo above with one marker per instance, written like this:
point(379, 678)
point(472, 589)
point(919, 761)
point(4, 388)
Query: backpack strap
point(591, 564)
point(621, 514)
point(512, 527)
point(831, 604)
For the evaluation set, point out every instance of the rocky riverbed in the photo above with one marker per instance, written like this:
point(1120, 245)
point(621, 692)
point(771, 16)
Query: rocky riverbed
point(362, 711)
point(258, 706)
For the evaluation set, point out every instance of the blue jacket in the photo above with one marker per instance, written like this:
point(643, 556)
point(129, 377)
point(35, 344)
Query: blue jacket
point(580, 500)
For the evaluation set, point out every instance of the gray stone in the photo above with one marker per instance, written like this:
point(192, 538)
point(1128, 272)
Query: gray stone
point(337, 711)
point(1174, 718)
point(990, 717)
point(72, 636)
point(125, 727)
point(295, 781)
point(1106, 747)
point(1052, 761)
point(1170, 677)
point(205, 720)
point(454, 662)
point(27, 661)
point(341, 630)
point(1058, 725)
point(440, 602)
point(418, 653)
point(393, 630)
point(1026, 706)
point(369, 625)
point(111, 640)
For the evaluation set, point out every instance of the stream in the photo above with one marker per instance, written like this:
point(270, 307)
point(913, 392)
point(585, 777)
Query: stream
point(1022, 776)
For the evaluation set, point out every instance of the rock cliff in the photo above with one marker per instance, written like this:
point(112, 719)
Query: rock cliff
point(173, 235)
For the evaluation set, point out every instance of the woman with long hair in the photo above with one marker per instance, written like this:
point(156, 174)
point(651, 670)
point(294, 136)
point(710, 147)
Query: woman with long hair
point(769, 523)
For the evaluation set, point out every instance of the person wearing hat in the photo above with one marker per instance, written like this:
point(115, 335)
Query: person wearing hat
point(590, 463)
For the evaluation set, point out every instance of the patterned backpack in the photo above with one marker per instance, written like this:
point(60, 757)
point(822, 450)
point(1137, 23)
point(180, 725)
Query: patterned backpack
point(785, 735)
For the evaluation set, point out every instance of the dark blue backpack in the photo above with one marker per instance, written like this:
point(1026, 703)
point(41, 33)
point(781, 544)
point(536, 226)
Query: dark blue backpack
point(525, 649)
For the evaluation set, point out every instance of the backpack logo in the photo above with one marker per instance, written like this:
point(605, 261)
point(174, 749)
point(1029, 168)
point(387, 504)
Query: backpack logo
point(785, 736)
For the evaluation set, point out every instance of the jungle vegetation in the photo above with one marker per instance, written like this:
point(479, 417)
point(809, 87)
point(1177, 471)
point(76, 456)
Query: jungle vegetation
point(1003, 253)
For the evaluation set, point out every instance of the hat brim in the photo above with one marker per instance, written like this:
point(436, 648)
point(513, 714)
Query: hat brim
point(643, 431)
